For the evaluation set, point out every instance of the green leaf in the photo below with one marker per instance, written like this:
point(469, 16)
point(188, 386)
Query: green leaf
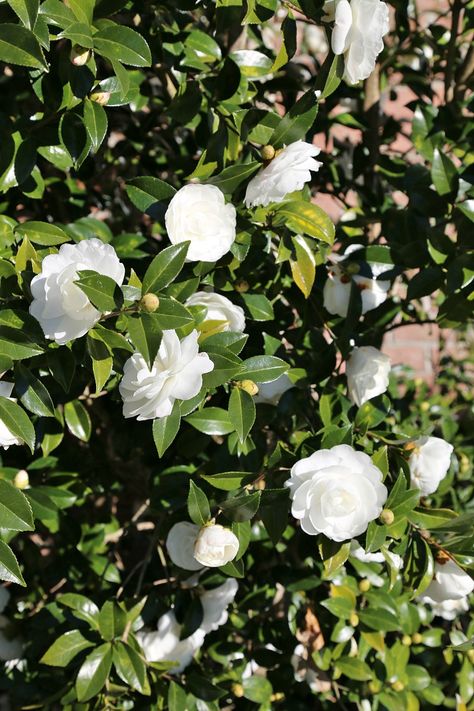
point(9, 568)
point(18, 45)
point(230, 178)
point(241, 412)
point(333, 555)
point(381, 620)
point(303, 268)
point(131, 667)
point(198, 505)
point(112, 620)
point(330, 75)
point(17, 421)
point(146, 191)
point(122, 44)
point(259, 307)
point(434, 518)
point(78, 420)
point(288, 45)
point(203, 689)
point(297, 121)
point(27, 11)
point(95, 121)
point(57, 13)
point(354, 668)
point(82, 9)
point(226, 366)
point(305, 218)
point(74, 137)
point(443, 173)
point(32, 393)
point(42, 233)
point(165, 429)
point(164, 268)
point(145, 333)
point(79, 33)
point(102, 291)
point(15, 510)
point(251, 63)
point(262, 369)
point(94, 672)
point(257, 689)
point(171, 314)
point(84, 609)
point(211, 421)
point(274, 512)
point(241, 508)
point(176, 697)
point(227, 481)
point(65, 648)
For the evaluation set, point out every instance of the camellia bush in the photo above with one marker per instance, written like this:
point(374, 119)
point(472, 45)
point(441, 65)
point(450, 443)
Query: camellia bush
point(216, 490)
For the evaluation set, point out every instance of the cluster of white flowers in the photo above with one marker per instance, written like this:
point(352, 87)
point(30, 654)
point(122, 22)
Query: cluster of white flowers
point(193, 547)
point(166, 643)
point(448, 592)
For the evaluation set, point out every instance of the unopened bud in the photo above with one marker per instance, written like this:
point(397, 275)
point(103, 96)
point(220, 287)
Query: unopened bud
point(398, 685)
point(387, 517)
point(442, 557)
point(100, 97)
point(425, 406)
point(79, 55)
point(354, 619)
point(470, 655)
point(21, 480)
point(409, 446)
point(238, 690)
point(149, 303)
point(406, 640)
point(241, 286)
point(249, 386)
point(268, 153)
point(417, 638)
point(375, 686)
point(364, 585)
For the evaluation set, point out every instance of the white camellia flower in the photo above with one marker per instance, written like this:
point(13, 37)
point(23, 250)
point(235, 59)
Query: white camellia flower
point(199, 214)
point(62, 309)
point(180, 544)
point(270, 393)
point(448, 609)
point(359, 28)
point(367, 372)
point(165, 644)
point(176, 374)
point(429, 463)
point(287, 172)
point(6, 437)
point(337, 292)
point(215, 546)
point(337, 492)
point(450, 582)
point(219, 309)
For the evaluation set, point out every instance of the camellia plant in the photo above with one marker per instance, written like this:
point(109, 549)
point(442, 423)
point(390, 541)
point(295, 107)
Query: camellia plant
point(216, 489)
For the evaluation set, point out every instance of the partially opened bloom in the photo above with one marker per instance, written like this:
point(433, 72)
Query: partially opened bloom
point(176, 374)
point(359, 28)
point(215, 546)
point(448, 609)
point(450, 582)
point(287, 172)
point(220, 310)
point(165, 644)
point(429, 463)
point(337, 492)
point(367, 372)
point(61, 307)
point(199, 214)
point(180, 544)
point(6, 437)
point(337, 292)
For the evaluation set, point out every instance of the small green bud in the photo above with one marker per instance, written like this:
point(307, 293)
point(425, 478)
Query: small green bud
point(354, 619)
point(268, 153)
point(406, 640)
point(149, 303)
point(398, 685)
point(417, 638)
point(364, 585)
point(387, 517)
point(238, 690)
point(375, 686)
point(241, 286)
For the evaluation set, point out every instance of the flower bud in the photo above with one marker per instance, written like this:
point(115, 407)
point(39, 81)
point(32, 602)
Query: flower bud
point(79, 55)
point(241, 286)
point(398, 685)
point(354, 619)
point(268, 153)
point(249, 386)
point(21, 480)
point(364, 585)
point(406, 640)
point(375, 686)
point(417, 638)
point(215, 546)
point(149, 303)
point(100, 97)
point(387, 517)
point(425, 406)
point(238, 690)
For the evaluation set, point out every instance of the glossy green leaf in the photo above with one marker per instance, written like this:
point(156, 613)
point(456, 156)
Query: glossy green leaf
point(306, 218)
point(15, 511)
point(146, 191)
point(32, 392)
point(94, 672)
point(165, 429)
point(241, 412)
point(145, 333)
point(131, 667)
point(18, 45)
point(78, 420)
point(27, 11)
point(95, 121)
point(103, 292)
point(9, 568)
point(17, 422)
point(65, 648)
point(123, 44)
point(211, 421)
point(164, 268)
point(198, 505)
point(262, 369)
